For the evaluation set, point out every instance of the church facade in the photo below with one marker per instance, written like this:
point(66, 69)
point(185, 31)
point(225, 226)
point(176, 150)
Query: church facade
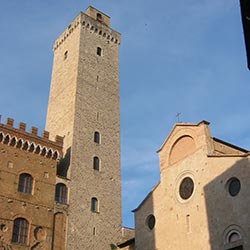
point(201, 201)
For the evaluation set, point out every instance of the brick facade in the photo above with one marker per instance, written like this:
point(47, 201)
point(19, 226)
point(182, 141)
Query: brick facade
point(27, 154)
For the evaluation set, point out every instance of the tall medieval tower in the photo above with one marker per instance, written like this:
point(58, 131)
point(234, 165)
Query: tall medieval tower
point(84, 108)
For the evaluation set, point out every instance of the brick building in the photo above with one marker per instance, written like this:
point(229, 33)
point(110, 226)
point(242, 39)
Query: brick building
point(28, 165)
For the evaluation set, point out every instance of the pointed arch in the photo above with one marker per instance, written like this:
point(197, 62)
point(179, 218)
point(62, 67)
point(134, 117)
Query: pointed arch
point(13, 141)
point(49, 153)
point(31, 147)
point(43, 152)
point(6, 139)
point(19, 143)
point(25, 145)
point(55, 155)
point(37, 149)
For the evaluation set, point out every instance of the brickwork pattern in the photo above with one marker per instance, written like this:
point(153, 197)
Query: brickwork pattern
point(38, 207)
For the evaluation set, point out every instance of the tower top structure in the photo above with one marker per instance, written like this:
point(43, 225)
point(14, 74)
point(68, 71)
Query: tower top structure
point(93, 20)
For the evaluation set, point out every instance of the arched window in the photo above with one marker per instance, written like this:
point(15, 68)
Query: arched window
point(98, 17)
point(61, 193)
point(97, 137)
point(20, 231)
point(233, 236)
point(94, 204)
point(96, 163)
point(25, 183)
point(99, 51)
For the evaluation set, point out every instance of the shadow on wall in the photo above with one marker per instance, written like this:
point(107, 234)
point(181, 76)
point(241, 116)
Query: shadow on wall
point(145, 224)
point(64, 163)
point(227, 203)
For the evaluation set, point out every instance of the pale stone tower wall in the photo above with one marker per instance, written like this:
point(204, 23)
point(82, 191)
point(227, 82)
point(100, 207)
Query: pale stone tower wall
point(84, 98)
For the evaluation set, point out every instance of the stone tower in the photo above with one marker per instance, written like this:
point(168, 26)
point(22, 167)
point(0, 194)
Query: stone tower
point(84, 108)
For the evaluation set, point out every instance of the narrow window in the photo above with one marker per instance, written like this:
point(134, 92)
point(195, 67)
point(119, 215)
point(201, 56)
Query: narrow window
point(25, 183)
point(94, 204)
point(99, 51)
point(188, 223)
point(97, 137)
point(65, 55)
point(20, 231)
point(99, 17)
point(61, 193)
point(96, 163)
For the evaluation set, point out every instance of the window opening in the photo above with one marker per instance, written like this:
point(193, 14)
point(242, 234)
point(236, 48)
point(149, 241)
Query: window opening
point(233, 186)
point(186, 188)
point(20, 231)
point(25, 183)
point(94, 204)
point(150, 221)
point(98, 17)
point(61, 193)
point(99, 51)
point(188, 223)
point(97, 137)
point(96, 163)
point(65, 55)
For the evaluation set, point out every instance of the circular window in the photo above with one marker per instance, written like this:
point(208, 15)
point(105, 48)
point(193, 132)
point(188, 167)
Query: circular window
point(186, 188)
point(150, 221)
point(234, 186)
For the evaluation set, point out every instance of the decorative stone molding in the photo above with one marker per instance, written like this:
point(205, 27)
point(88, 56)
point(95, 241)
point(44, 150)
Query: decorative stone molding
point(31, 142)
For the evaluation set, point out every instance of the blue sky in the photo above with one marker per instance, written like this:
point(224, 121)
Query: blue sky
point(175, 56)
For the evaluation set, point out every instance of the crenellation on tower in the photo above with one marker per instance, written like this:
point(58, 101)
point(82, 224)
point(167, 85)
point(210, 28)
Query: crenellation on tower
point(19, 138)
point(89, 21)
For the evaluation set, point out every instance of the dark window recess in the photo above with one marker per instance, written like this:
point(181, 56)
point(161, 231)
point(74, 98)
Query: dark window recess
point(99, 17)
point(96, 163)
point(94, 204)
point(150, 221)
point(97, 137)
point(186, 188)
point(25, 183)
point(61, 193)
point(65, 55)
point(99, 51)
point(234, 186)
point(20, 231)
point(236, 248)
